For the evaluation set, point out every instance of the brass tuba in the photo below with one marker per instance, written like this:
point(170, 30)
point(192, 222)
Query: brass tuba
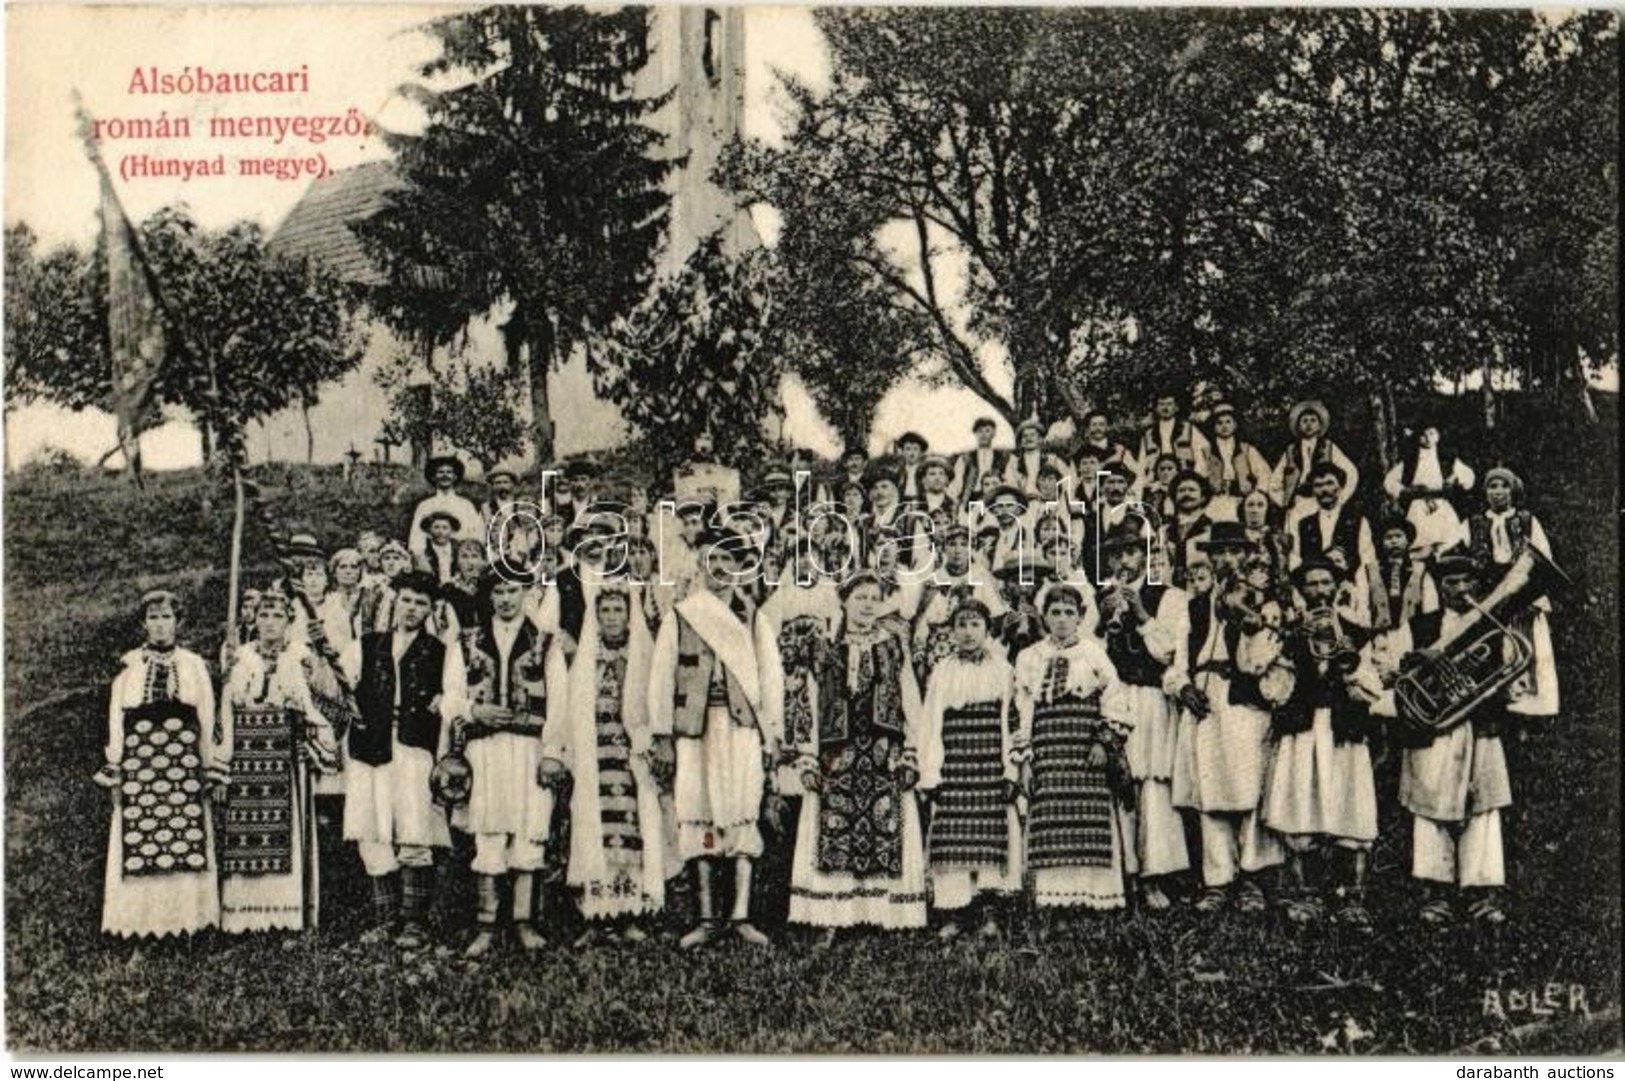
point(1483, 656)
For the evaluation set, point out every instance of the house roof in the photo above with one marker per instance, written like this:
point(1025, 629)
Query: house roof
point(318, 227)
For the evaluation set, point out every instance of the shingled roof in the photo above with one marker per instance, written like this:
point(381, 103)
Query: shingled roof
point(318, 227)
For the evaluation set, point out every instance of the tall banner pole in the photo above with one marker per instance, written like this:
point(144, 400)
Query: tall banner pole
point(234, 575)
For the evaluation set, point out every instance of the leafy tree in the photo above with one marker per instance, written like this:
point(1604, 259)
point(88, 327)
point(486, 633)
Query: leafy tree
point(475, 406)
point(56, 320)
point(695, 358)
point(249, 333)
point(534, 186)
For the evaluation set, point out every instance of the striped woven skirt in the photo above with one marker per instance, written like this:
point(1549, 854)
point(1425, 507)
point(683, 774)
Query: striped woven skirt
point(969, 827)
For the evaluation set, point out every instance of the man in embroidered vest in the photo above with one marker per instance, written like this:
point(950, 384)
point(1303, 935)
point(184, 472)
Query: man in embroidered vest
point(1141, 625)
point(1097, 438)
point(1456, 784)
point(410, 689)
point(981, 461)
point(1290, 481)
point(1321, 792)
point(1190, 523)
point(516, 683)
point(1235, 467)
point(911, 448)
point(1338, 532)
point(1169, 433)
point(1030, 459)
point(716, 698)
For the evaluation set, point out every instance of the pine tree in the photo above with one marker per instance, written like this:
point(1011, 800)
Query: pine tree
point(534, 184)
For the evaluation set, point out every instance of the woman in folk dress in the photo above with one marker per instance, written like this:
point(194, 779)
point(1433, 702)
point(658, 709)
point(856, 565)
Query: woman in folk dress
point(1080, 834)
point(279, 893)
point(859, 856)
point(969, 767)
point(617, 852)
point(142, 895)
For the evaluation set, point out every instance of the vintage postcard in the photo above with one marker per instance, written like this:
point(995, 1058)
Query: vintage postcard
point(751, 530)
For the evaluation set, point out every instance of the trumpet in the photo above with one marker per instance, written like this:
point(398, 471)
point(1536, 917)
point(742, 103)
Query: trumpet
point(1327, 642)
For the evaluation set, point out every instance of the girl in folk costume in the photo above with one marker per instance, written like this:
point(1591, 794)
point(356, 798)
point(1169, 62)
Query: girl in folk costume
point(410, 689)
point(1455, 784)
point(1290, 480)
point(1141, 629)
point(859, 858)
point(1424, 484)
point(1080, 830)
point(1495, 537)
point(160, 875)
point(516, 681)
point(969, 771)
point(1321, 792)
point(716, 716)
point(1224, 724)
point(273, 738)
point(617, 850)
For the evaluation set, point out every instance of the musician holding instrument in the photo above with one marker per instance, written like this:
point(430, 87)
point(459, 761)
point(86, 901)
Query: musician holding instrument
point(1224, 724)
point(1141, 624)
point(1497, 537)
point(1455, 783)
point(1321, 796)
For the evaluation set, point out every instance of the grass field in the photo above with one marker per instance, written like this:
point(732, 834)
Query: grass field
point(79, 549)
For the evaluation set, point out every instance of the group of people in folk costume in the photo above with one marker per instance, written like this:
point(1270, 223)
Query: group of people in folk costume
point(912, 694)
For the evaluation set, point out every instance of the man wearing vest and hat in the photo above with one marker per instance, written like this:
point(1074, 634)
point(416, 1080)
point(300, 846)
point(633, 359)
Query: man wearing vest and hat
point(516, 676)
point(1338, 531)
point(716, 698)
point(1455, 784)
point(1030, 458)
point(1290, 481)
point(911, 448)
point(410, 690)
point(1192, 518)
point(444, 472)
point(979, 462)
point(1322, 793)
point(1169, 433)
point(1141, 625)
point(1404, 588)
point(1235, 467)
point(438, 555)
point(1217, 677)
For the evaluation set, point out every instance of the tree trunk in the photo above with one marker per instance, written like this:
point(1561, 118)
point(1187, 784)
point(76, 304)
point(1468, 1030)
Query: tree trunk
point(1487, 395)
point(539, 355)
point(205, 440)
point(1382, 427)
point(1582, 386)
point(310, 432)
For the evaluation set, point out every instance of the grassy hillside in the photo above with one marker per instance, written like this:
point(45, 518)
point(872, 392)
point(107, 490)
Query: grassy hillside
point(80, 549)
